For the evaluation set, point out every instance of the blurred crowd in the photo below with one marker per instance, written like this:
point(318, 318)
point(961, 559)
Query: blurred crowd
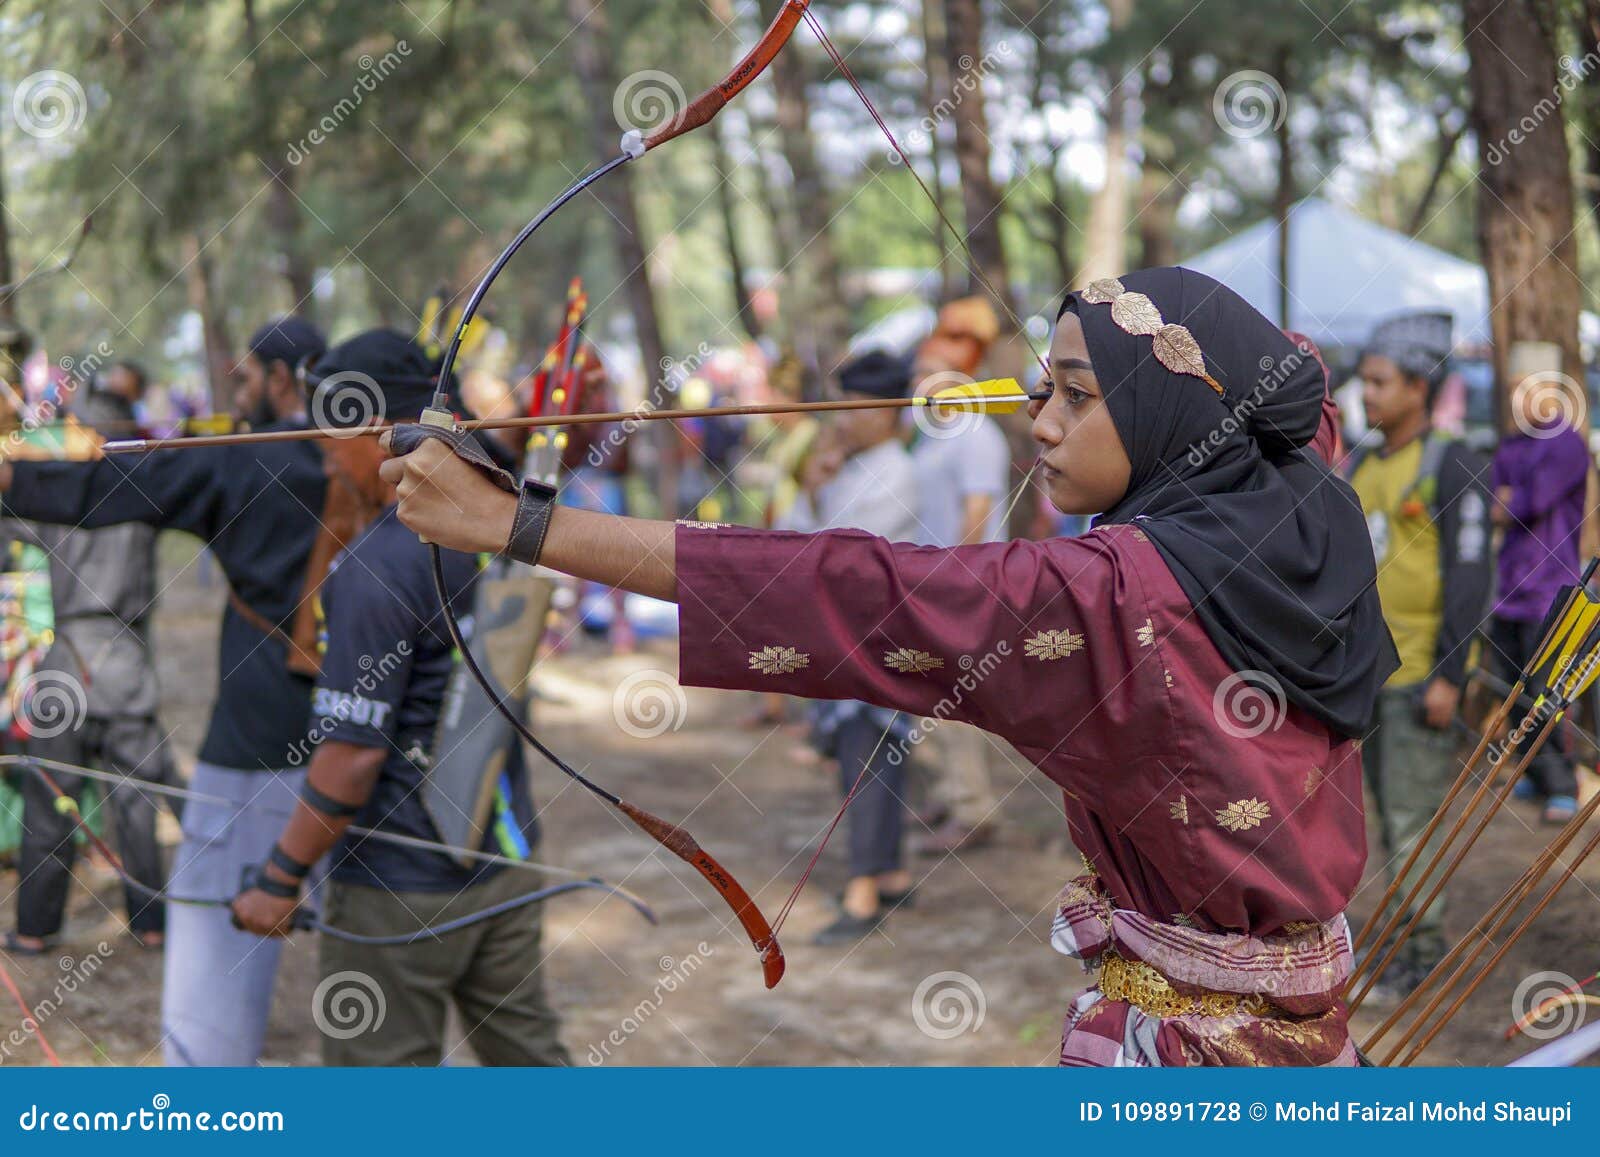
point(1472, 549)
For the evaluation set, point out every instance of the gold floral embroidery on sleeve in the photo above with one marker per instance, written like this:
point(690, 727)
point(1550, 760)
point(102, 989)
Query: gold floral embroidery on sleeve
point(1243, 814)
point(1050, 645)
point(911, 662)
point(1314, 779)
point(1179, 809)
point(693, 525)
point(778, 660)
point(1147, 634)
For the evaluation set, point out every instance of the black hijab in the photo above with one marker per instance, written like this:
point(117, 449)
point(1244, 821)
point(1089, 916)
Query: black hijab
point(1215, 406)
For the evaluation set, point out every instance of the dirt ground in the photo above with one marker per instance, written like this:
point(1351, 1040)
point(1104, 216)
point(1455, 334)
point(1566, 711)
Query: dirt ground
point(689, 992)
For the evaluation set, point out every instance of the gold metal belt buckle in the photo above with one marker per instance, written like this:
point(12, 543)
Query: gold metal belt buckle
point(1146, 989)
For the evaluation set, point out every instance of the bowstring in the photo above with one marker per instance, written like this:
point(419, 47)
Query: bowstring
point(68, 806)
point(975, 270)
point(827, 834)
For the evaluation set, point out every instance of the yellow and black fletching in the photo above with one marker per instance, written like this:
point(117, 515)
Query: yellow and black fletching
point(1579, 611)
point(1584, 668)
point(995, 396)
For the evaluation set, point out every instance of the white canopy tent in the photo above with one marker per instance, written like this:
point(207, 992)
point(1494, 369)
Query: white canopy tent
point(1346, 274)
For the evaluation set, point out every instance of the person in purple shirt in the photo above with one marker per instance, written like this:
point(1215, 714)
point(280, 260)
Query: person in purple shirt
point(1540, 476)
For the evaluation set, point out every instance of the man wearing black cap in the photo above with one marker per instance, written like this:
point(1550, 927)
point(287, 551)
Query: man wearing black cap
point(387, 663)
point(259, 509)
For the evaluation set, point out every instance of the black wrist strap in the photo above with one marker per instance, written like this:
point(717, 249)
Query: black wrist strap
point(287, 864)
point(536, 503)
point(265, 883)
point(327, 805)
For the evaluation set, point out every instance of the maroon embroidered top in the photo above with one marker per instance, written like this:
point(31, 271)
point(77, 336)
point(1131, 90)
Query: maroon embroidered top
point(1196, 792)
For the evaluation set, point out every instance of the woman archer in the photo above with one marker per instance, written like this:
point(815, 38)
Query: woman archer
point(1191, 673)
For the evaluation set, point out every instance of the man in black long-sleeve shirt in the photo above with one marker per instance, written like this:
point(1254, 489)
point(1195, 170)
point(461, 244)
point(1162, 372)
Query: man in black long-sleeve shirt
point(259, 510)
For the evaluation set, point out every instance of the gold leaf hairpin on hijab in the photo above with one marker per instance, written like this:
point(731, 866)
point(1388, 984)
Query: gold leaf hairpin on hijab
point(1173, 345)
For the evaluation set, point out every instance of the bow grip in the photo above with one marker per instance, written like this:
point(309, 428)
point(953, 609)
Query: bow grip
point(408, 436)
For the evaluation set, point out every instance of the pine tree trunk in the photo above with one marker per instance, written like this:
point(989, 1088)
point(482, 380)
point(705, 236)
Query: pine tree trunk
point(1285, 198)
point(1159, 198)
point(817, 288)
point(936, 82)
point(592, 57)
point(980, 198)
point(199, 285)
point(1525, 199)
point(283, 216)
point(727, 209)
point(282, 208)
point(1449, 138)
point(727, 203)
point(1105, 243)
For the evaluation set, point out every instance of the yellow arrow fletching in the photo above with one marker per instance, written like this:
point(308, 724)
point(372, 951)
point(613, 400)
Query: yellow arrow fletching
point(996, 396)
point(1588, 612)
point(1564, 631)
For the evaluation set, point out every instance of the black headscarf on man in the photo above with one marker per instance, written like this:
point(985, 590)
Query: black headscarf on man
point(1268, 543)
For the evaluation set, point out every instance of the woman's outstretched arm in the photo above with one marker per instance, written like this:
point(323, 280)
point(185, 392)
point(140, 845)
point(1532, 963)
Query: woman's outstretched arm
point(448, 502)
point(1024, 639)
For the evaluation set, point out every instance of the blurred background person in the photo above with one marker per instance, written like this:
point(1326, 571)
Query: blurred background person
point(595, 462)
point(1427, 510)
point(860, 477)
point(962, 464)
point(1540, 478)
point(103, 592)
point(785, 442)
